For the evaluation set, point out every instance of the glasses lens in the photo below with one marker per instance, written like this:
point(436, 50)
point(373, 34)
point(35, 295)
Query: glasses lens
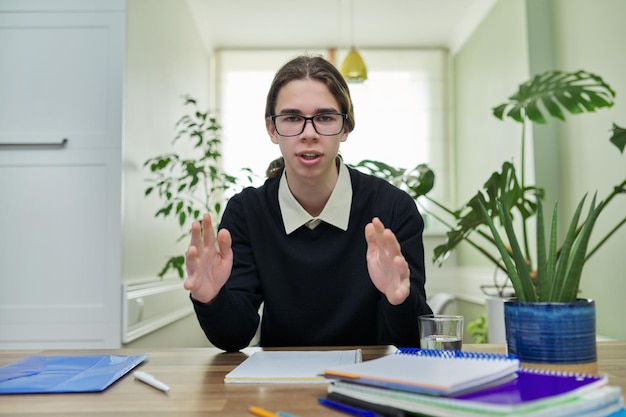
point(326, 124)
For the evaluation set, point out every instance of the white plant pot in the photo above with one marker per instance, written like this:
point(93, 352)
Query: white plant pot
point(495, 319)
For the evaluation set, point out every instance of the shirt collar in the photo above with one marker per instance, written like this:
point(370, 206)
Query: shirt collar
point(336, 211)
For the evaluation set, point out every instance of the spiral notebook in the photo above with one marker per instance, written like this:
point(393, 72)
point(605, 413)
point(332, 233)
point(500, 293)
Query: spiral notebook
point(434, 372)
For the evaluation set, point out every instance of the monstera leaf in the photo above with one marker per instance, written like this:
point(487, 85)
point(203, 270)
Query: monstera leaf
point(554, 92)
point(417, 181)
point(501, 186)
point(619, 137)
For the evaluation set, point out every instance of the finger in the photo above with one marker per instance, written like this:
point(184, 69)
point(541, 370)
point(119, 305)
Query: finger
point(378, 225)
point(391, 242)
point(401, 266)
point(208, 233)
point(373, 231)
point(196, 233)
point(191, 262)
point(224, 243)
point(370, 234)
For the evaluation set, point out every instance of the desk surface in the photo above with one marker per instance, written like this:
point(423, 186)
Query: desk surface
point(196, 378)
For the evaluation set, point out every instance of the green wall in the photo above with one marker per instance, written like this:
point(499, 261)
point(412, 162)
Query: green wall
point(519, 38)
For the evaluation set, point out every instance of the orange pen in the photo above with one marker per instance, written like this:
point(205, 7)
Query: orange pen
point(260, 412)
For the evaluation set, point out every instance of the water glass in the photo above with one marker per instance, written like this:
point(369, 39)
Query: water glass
point(441, 332)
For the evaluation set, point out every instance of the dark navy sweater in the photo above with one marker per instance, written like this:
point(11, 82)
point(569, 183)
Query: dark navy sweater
point(315, 283)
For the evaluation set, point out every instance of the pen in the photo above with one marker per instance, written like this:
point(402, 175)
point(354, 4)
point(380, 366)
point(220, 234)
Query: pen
point(260, 412)
point(347, 408)
point(285, 414)
point(150, 380)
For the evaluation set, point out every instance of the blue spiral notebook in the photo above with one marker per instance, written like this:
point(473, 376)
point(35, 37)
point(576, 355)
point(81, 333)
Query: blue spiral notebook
point(434, 372)
point(65, 374)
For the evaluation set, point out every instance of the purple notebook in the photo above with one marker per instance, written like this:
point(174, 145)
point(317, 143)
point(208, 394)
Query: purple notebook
point(532, 385)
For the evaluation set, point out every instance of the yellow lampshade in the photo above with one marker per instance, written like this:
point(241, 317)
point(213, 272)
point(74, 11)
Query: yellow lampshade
point(353, 68)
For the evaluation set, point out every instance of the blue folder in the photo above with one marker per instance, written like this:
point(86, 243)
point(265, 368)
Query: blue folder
point(63, 374)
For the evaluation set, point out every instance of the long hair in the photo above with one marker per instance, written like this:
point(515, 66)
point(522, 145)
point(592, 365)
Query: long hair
point(314, 68)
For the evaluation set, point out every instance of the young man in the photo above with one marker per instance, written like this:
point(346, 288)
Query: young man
point(335, 256)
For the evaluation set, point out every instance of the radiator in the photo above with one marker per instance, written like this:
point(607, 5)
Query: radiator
point(149, 306)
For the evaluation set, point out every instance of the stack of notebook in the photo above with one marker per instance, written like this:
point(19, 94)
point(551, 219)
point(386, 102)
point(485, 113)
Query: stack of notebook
point(458, 384)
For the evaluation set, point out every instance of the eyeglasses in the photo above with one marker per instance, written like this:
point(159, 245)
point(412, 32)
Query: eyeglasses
point(325, 124)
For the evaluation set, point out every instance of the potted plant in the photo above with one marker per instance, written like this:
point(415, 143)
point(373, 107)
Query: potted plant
point(504, 196)
point(546, 323)
point(192, 184)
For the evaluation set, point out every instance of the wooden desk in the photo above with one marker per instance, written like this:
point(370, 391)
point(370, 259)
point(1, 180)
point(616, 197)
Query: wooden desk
point(196, 378)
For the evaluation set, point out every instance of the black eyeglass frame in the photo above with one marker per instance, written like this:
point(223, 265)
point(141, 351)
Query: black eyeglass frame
point(344, 117)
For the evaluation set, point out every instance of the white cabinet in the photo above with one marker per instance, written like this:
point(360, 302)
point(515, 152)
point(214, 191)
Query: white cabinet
point(61, 80)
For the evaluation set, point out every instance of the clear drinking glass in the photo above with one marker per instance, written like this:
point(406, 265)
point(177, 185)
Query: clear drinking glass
point(441, 332)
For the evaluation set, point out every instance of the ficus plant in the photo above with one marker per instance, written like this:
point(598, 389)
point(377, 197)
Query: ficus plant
point(190, 185)
point(506, 196)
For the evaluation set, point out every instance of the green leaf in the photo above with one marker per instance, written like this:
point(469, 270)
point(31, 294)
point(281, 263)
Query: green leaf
point(501, 186)
point(619, 137)
point(165, 211)
point(545, 285)
point(525, 285)
point(418, 181)
point(552, 107)
point(560, 274)
point(543, 268)
point(569, 291)
point(512, 271)
point(498, 111)
point(575, 92)
point(176, 263)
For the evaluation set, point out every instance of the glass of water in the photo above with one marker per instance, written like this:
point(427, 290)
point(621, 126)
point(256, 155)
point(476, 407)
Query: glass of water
point(441, 332)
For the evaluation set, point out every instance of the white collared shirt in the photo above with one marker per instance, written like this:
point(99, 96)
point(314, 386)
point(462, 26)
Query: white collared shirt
point(336, 211)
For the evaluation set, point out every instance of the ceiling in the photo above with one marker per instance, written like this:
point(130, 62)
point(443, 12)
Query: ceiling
point(275, 24)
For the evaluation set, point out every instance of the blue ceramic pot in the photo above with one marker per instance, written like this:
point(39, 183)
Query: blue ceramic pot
point(551, 333)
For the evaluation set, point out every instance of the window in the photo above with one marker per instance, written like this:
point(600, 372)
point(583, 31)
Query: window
point(400, 111)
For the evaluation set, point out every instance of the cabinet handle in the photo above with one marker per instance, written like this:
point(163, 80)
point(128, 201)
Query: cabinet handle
point(60, 144)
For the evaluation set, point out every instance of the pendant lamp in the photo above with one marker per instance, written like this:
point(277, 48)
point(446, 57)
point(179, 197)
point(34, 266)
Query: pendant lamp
point(353, 68)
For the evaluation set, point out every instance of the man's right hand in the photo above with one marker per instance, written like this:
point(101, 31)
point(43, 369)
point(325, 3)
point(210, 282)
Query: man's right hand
point(208, 265)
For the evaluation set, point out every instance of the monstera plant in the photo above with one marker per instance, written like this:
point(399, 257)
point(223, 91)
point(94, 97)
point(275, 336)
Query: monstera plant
point(506, 195)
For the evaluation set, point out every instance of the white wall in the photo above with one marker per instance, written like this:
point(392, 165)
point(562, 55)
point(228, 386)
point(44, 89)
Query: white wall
point(165, 59)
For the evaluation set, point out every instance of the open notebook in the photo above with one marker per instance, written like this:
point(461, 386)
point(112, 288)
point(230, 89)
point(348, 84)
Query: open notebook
point(290, 366)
